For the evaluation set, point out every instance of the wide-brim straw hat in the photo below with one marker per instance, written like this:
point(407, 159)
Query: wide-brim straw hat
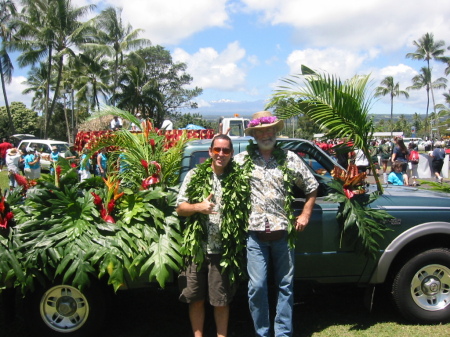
point(263, 119)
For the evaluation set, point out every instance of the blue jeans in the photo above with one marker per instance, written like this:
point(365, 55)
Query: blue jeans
point(258, 256)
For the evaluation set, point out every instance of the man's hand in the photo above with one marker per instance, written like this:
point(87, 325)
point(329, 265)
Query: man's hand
point(301, 222)
point(206, 206)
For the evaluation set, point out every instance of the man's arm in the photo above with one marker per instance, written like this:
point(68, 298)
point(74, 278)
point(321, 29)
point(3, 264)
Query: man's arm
point(205, 207)
point(302, 220)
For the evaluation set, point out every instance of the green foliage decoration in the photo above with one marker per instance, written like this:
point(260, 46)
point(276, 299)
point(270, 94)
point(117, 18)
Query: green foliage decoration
point(356, 216)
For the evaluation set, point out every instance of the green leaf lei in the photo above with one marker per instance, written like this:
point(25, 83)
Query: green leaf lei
point(280, 156)
point(234, 217)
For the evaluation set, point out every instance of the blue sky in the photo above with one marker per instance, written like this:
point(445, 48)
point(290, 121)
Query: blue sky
point(238, 51)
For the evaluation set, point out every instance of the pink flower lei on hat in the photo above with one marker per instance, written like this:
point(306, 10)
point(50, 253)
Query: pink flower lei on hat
point(262, 120)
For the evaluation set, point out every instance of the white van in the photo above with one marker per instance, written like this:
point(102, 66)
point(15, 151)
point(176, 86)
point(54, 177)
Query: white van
point(44, 147)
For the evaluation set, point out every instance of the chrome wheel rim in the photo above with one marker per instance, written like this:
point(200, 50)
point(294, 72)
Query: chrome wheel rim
point(64, 308)
point(430, 287)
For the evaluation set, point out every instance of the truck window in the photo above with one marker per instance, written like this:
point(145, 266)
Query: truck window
point(236, 129)
point(198, 157)
point(314, 164)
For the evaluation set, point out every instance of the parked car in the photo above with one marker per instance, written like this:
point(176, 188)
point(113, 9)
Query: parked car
point(413, 259)
point(44, 148)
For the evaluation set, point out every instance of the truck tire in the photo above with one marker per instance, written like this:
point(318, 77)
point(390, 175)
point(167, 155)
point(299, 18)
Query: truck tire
point(421, 289)
point(63, 310)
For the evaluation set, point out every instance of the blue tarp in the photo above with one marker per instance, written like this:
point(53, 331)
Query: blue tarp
point(193, 127)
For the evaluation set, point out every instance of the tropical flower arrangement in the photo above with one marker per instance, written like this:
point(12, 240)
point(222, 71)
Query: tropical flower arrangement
point(262, 120)
point(113, 228)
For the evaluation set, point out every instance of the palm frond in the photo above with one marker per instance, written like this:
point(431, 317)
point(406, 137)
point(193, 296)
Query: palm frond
point(340, 108)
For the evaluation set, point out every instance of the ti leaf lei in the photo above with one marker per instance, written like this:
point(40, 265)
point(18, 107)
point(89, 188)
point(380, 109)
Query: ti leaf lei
point(234, 217)
point(280, 156)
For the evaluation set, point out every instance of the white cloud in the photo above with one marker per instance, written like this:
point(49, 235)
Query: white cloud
point(330, 60)
point(213, 70)
point(170, 21)
point(14, 92)
point(202, 103)
point(356, 24)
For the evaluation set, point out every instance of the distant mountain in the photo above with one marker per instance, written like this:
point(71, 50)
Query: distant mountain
point(217, 109)
point(246, 109)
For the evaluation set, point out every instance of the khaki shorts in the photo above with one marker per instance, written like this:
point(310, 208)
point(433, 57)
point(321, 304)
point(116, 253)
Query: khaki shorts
point(206, 283)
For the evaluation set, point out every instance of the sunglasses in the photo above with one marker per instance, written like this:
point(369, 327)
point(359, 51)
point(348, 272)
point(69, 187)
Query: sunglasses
point(224, 150)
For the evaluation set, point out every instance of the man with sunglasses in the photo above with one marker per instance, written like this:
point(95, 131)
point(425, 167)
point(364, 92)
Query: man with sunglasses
point(270, 226)
point(207, 281)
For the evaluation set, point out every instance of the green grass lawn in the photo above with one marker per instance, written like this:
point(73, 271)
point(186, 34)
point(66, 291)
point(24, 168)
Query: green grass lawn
point(4, 182)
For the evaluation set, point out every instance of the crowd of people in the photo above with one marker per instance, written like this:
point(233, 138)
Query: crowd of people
point(397, 162)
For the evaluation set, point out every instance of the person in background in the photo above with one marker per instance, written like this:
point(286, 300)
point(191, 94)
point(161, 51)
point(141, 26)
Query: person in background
point(401, 154)
point(71, 155)
point(269, 222)
point(361, 161)
point(396, 177)
point(54, 156)
point(167, 125)
point(13, 157)
point(102, 161)
point(116, 123)
point(85, 166)
point(437, 162)
point(32, 166)
point(373, 151)
point(199, 283)
point(385, 152)
point(412, 166)
point(4, 146)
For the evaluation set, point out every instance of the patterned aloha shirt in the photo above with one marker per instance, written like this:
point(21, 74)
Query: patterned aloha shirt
point(213, 244)
point(268, 193)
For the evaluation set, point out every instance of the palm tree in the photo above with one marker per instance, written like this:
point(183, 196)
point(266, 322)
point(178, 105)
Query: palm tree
point(7, 11)
point(138, 91)
point(50, 28)
point(423, 80)
point(114, 39)
point(339, 108)
point(388, 87)
point(37, 83)
point(427, 49)
point(91, 78)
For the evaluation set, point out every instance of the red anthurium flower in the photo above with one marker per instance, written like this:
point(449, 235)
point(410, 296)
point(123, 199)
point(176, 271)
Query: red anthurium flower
point(348, 193)
point(152, 143)
point(103, 213)
point(157, 165)
point(108, 218)
point(9, 215)
point(145, 164)
point(58, 170)
point(97, 199)
point(73, 165)
point(111, 206)
point(147, 182)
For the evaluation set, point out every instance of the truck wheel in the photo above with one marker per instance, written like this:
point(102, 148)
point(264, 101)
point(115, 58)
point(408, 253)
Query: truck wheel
point(63, 309)
point(421, 289)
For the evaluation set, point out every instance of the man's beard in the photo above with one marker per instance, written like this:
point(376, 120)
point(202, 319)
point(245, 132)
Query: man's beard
point(267, 144)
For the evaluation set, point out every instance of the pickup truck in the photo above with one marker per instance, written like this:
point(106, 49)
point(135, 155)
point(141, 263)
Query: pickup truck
point(413, 259)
